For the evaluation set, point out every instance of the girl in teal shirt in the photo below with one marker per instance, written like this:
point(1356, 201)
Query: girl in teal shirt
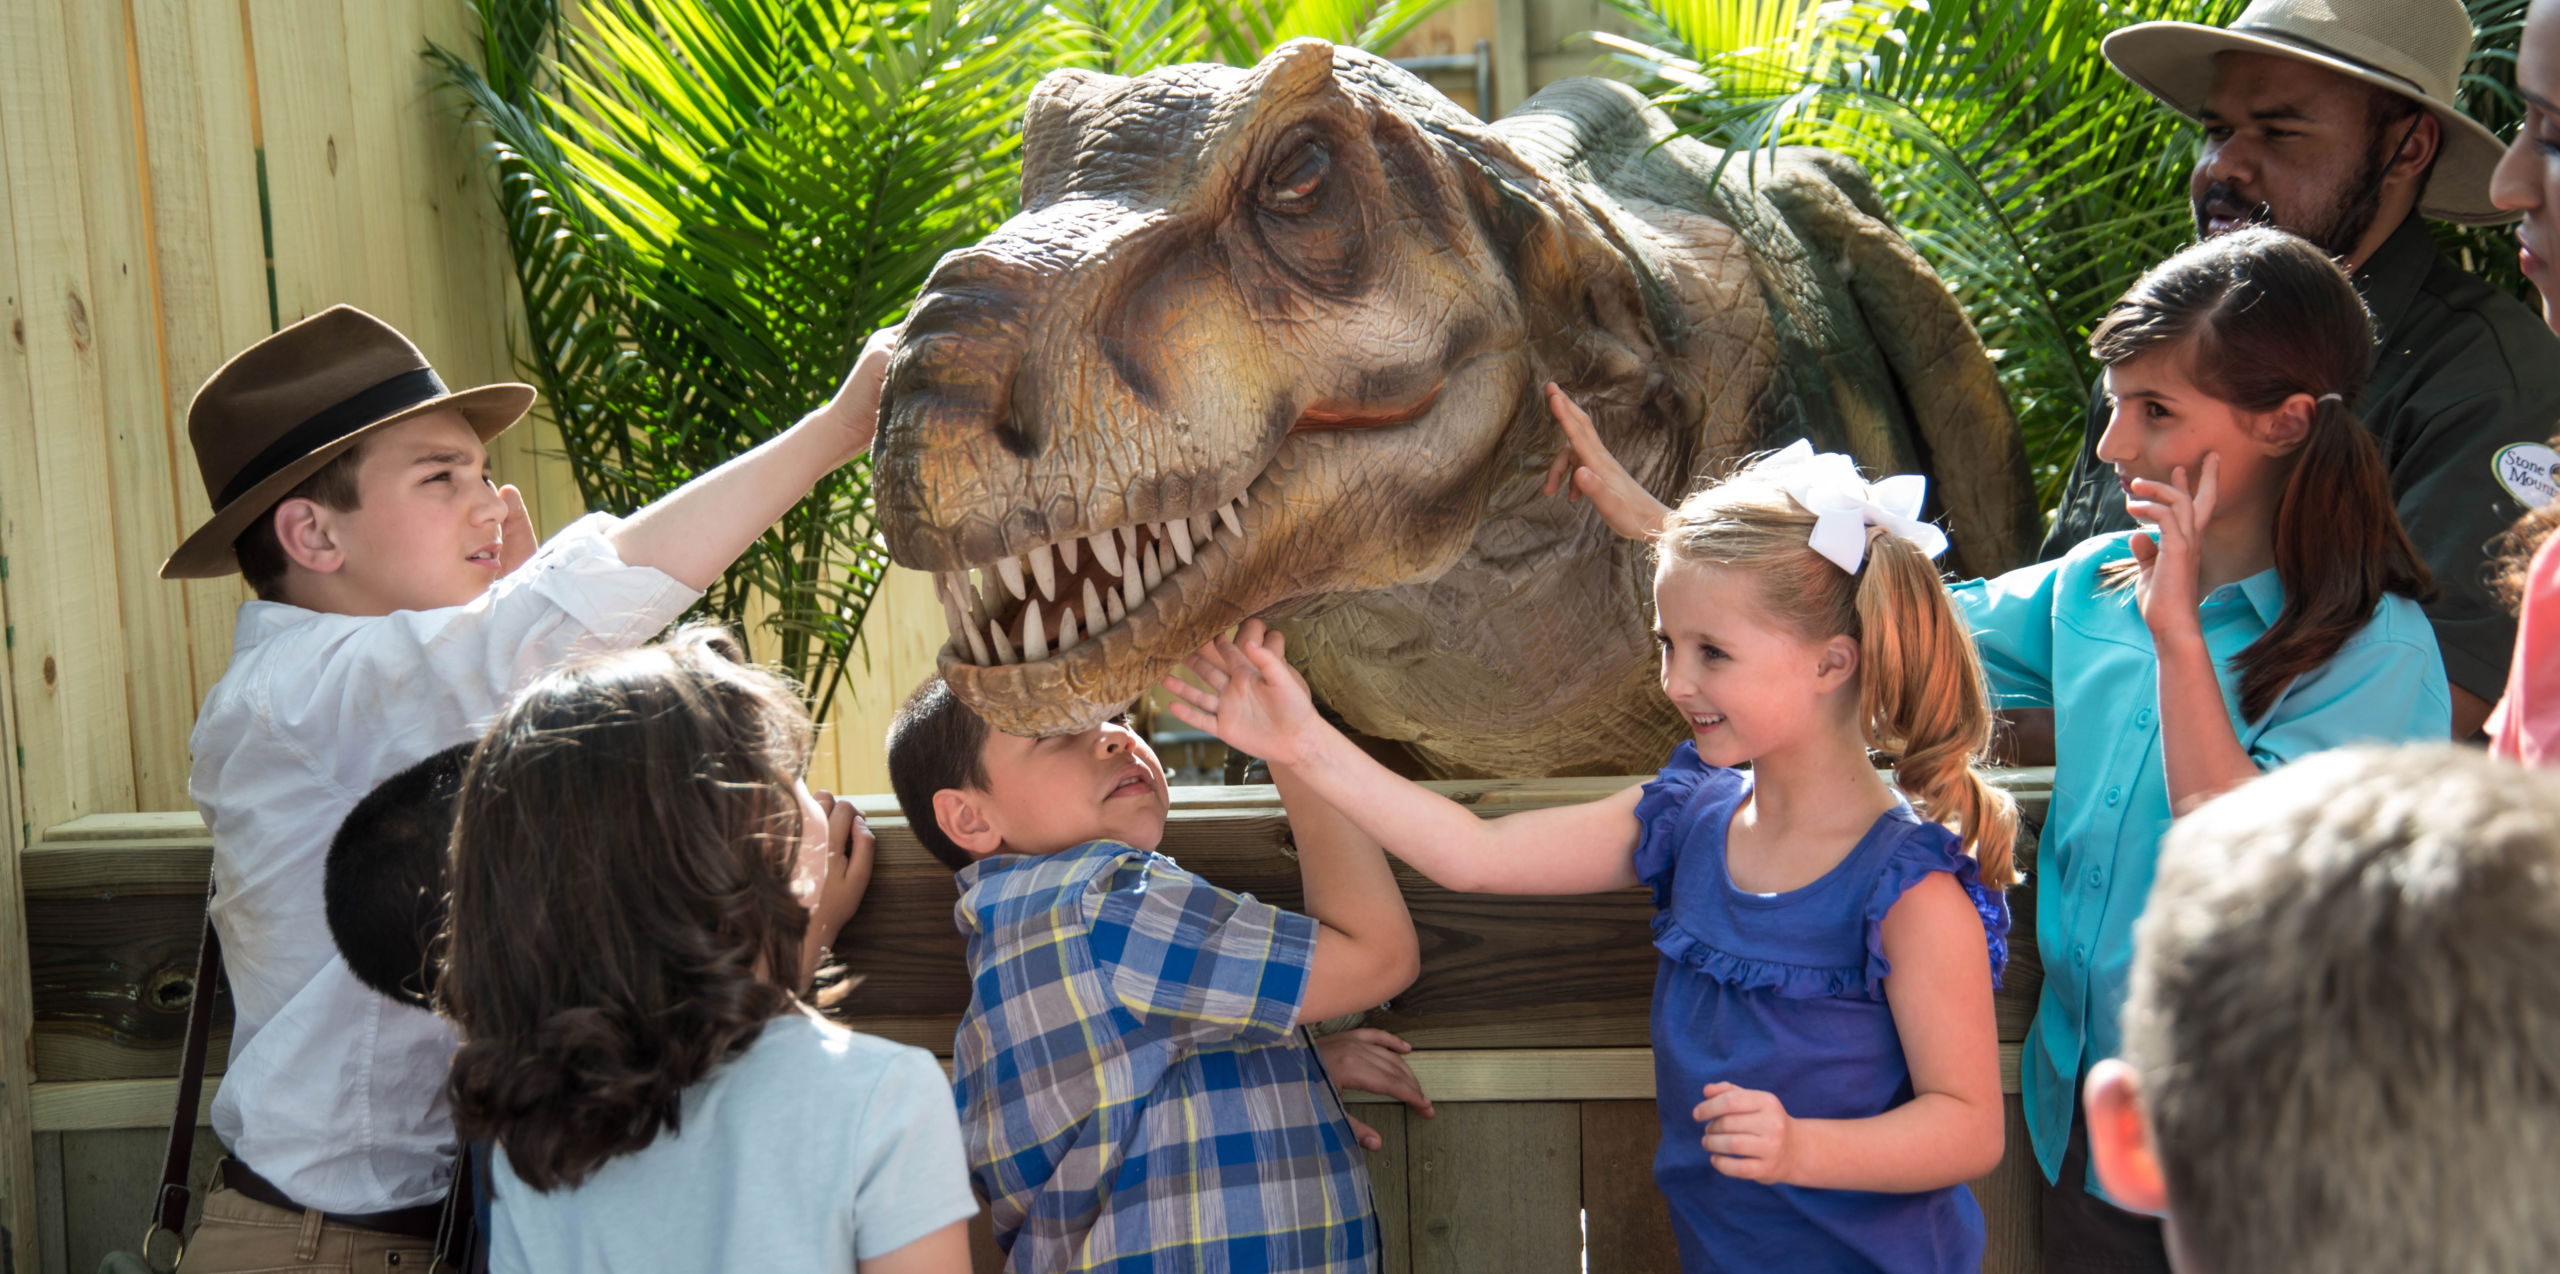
point(2272, 613)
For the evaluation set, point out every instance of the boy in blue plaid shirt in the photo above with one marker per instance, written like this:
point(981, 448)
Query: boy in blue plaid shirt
point(1135, 1091)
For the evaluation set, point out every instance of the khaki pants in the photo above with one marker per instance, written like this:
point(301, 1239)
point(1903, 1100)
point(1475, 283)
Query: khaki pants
point(239, 1235)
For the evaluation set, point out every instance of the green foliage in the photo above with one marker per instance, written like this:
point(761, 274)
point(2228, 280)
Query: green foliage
point(2037, 180)
point(710, 203)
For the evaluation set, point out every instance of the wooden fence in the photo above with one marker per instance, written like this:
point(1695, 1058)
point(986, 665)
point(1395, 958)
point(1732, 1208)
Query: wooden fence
point(1529, 1025)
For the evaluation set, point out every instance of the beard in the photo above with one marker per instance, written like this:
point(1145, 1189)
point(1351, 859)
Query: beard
point(2335, 228)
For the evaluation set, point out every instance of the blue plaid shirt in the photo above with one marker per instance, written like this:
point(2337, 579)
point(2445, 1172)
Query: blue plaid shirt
point(1132, 1089)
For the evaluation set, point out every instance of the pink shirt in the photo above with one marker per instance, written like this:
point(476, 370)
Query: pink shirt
point(2526, 725)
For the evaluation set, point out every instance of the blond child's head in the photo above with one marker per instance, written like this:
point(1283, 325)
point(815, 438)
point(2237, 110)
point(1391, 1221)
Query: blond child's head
point(2342, 1046)
point(1763, 636)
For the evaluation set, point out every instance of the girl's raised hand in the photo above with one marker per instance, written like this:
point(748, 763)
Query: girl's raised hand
point(1749, 1133)
point(2171, 557)
point(1248, 695)
point(850, 850)
point(1585, 467)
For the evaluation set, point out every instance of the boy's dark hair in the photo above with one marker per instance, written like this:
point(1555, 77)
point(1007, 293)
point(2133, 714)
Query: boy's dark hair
point(262, 559)
point(935, 742)
point(623, 918)
point(384, 887)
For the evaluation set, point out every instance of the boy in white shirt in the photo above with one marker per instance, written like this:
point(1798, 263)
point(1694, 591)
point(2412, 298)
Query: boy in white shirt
point(400, 604)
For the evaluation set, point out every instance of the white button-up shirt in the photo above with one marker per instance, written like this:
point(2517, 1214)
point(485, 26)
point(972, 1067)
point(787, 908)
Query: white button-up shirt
point(335, 1093)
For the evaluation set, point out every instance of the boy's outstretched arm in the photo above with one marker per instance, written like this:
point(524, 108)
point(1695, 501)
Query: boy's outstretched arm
point(695, 531)
point(1250, 698)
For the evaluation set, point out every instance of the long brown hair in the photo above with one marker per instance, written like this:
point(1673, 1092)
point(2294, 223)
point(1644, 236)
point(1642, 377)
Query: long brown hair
point(622, 916)
point(1921, 697)
point(2264, 316)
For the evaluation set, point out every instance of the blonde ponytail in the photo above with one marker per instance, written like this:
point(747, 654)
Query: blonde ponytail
point(1921, 696)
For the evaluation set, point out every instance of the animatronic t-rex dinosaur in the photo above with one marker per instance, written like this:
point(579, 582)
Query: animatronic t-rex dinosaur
point(1270, 341)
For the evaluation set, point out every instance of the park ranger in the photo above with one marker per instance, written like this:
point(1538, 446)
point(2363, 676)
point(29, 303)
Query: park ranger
point(2335, 119)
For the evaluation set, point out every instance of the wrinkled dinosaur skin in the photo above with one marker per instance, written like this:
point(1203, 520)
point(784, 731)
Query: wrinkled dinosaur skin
point(1317, 285)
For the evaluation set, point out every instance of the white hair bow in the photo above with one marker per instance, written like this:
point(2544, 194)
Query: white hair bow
point(1844, 505)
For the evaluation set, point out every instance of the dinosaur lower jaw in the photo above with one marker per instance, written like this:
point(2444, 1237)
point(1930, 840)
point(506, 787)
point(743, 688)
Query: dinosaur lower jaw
point(1047, 603)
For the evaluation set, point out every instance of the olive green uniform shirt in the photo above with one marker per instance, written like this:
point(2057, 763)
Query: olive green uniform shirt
point(2464, 371)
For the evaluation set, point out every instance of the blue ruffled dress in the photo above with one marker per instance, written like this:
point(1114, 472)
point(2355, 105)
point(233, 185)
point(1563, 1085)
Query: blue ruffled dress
point(1785, 993)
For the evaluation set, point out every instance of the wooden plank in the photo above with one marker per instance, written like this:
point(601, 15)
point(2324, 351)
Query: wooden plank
point(113, 973)
point(323, 245)
point(114, 1103)
point(1496, 1189)
point(34, 186)
point(2011, 1201)
point(131, 432)
point(22, 1197)
point(109, 1179)
point(49, 1202)
point(170, 825)
point(1526, 1074)
point(117, 918)
point(1388, 1187)
point(56, 528)
point(209, 267)
point(1626, 1225)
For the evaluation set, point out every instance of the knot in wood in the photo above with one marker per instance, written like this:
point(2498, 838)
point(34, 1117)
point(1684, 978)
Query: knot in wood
point(170, 990)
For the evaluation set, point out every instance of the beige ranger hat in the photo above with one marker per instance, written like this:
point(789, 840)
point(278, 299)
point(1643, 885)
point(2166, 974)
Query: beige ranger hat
point(2415, 48)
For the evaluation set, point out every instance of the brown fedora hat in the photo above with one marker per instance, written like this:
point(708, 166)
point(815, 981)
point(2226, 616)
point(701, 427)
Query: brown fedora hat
point(287, 405)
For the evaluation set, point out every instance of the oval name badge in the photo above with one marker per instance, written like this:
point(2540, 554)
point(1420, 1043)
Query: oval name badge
point(2529, 471)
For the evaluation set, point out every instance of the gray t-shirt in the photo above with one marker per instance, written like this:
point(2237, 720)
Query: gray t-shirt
point(815, 1147)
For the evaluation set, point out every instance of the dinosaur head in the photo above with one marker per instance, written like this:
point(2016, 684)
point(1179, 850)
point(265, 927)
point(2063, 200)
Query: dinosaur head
point(1253, 341)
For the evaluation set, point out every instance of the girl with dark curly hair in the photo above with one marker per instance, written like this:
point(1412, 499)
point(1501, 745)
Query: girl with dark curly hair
point(642, 886)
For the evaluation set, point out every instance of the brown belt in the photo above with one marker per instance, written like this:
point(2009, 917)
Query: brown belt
point(409, 1223)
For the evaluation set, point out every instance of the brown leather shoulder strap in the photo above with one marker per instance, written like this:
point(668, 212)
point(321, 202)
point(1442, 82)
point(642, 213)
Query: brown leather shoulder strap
point(169, 1210)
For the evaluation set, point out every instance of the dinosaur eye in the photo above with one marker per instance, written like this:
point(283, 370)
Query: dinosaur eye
point(1292, 183)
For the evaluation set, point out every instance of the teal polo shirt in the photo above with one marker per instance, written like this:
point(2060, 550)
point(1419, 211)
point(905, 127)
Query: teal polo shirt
point(2053, 636)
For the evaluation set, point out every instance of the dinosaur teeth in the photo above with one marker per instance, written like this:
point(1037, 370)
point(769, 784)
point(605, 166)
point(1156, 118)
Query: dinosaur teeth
point(1106, 550)
point(1200, 527)
point(977, 645)
point(1129, 548)
point(1111, 606)
point(1044, 572)
point(1066, 629)
point(1011, 571)
point(1067, 553)
point(1092, 609)
point(1004, 645)
point(1178, 531)
point(1131, 590)
point(1151, 566)
point(1227, 514)
point(947, 586)
point(1035, 644)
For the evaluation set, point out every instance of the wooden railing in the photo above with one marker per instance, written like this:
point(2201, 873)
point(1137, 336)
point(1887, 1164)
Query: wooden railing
point(1529, 1024)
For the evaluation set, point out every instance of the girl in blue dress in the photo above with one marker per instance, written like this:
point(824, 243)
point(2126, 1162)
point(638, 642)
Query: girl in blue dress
point(1826, 1062)
point(2267, 612)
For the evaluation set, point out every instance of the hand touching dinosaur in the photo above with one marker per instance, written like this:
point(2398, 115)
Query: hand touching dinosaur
point(1629, 509)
